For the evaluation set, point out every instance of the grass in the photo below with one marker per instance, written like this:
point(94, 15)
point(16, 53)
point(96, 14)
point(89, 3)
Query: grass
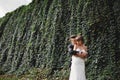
point(37, 74)
point(8, 77)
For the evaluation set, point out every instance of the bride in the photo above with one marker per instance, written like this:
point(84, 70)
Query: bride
point(78, 61)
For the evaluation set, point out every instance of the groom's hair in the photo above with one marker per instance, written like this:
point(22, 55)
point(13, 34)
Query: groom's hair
point(73, 36)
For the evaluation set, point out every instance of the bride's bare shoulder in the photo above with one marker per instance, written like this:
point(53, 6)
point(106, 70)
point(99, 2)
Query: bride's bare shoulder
point(85, 47)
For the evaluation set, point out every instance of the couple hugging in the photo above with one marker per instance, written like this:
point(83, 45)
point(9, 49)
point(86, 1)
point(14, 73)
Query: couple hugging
point(78, 51)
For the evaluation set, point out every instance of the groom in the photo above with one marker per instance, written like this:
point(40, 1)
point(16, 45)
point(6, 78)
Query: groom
point(71, 46)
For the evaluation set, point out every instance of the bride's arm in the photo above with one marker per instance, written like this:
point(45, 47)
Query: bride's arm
point(75, 47)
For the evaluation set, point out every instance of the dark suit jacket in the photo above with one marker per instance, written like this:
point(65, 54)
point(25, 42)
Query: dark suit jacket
point(71, 51)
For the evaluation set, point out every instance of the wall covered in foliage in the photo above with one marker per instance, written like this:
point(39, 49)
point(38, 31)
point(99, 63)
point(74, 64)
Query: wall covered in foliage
point(34, 37)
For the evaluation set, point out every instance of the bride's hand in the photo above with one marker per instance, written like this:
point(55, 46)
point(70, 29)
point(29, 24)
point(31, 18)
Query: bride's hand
point(82, 54)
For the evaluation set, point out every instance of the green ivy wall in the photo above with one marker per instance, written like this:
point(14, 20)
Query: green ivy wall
point(35, 37)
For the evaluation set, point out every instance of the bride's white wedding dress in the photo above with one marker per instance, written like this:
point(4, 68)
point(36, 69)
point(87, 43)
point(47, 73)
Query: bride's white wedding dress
point(77, 68)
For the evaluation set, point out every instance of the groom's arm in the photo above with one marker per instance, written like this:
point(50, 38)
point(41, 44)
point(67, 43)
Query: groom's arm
point(71, 51)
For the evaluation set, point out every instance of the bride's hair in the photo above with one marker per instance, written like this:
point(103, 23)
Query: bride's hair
point(80, 38)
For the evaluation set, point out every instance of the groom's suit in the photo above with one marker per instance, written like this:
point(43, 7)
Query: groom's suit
point(71, 52)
